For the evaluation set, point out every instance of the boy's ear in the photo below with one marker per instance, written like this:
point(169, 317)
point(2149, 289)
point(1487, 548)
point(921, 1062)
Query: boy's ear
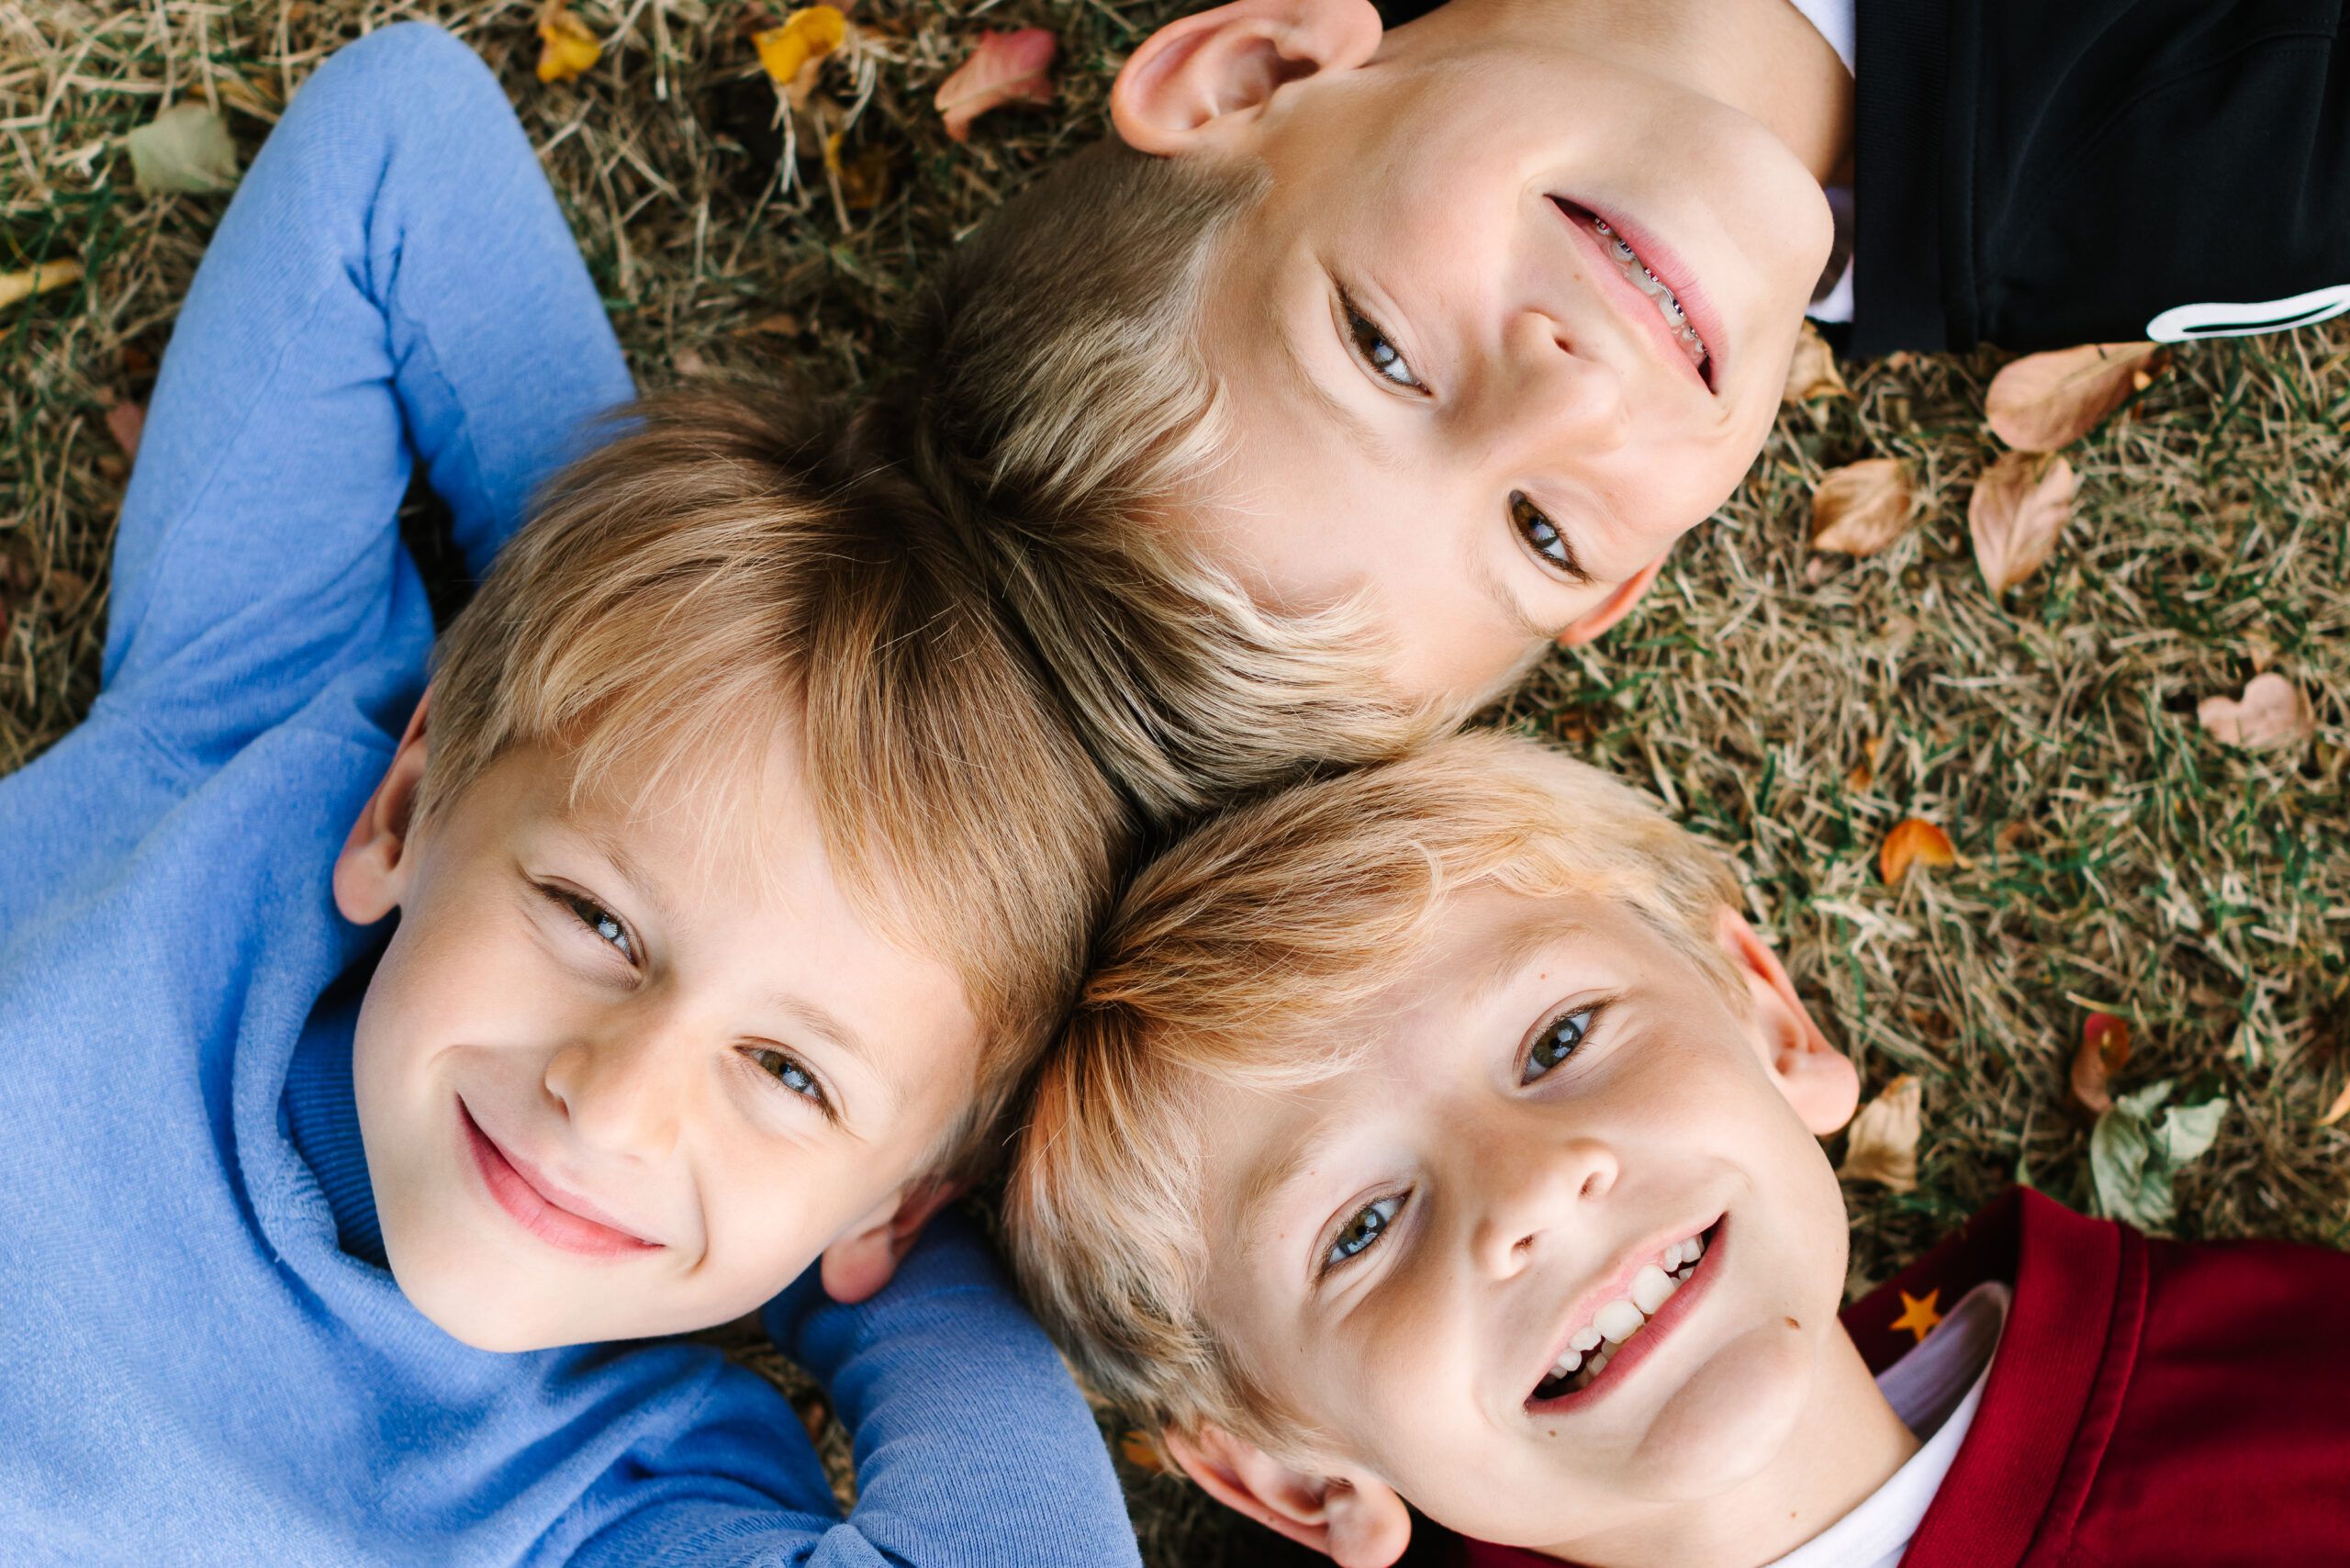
point(1195, 80)
point(861, 1262)
point(1818, 1081)
point(1358, 1523)
point(1588, 626)
point(371, 874)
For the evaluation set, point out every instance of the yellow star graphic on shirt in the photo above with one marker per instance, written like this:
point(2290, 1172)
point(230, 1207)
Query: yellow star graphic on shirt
point(1918, 1313)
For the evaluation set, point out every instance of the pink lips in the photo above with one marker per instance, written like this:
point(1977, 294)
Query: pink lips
point(1624, 1358)
point(1634, 306)
point(539, 1208)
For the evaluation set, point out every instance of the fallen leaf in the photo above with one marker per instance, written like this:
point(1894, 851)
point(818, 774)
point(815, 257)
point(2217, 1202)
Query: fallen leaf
point(23, 284)
point(1864, 772)
point(2272, 712)
point(864, 179)
point(2020, 507)
point(2105, 1047)
point(2043, 401)
point(1141, 1452)
point(1812, 373)
point(126, 421)
point(1913, 842)
point(2339, 1109)
point(792, 54)
point(2133, 1160)
point(1883, 1144)
point(186, 148)
point(1862, 507)
point(2013, 837)
point(1007, 68)
point(783, 325)
point(566, 48)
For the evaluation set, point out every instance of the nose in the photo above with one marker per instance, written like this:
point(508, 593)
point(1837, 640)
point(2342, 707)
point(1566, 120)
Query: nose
point(624, 1089)
point(1554, 393)
point(1530, 1188)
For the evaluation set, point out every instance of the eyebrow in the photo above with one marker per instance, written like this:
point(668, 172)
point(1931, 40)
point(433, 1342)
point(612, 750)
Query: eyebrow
point(1267, 1183)
point(1374, 443)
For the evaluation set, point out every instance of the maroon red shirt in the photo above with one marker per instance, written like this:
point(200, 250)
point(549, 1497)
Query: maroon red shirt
point(2152, 1401)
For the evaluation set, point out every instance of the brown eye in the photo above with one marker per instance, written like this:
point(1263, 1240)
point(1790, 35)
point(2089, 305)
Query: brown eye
point(1378, 352)
point(1541, 535)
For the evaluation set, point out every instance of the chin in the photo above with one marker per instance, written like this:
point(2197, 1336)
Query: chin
point(1732, 1420)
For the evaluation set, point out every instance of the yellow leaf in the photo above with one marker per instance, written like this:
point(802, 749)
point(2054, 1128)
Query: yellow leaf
point(1913, 842)
point(2043, 401)
point(1007, 68)
point(2272, 712)
point(1862, 507)
point(806, 37)
point(2104, 1050)
point(1883, 1145)
point(23, 284)
point(2339, 1109)
point(1812, 373)
point(2020, 507)
point(567, 49)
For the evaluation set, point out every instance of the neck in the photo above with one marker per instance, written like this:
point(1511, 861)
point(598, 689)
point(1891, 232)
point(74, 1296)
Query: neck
point(1845, 1444)
point(1760, 56)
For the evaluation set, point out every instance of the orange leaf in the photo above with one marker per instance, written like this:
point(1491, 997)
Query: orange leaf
point(1007, 68)
point(1862, 507)
point(2105, 1047)
point(1141, 1452)
point(567, 49)
point(789, 54)
point(1913, 842)
point(2043, 401)
point(2020, 507)
point(2272, 712)
point(1812, 373)
point(2339, 1109)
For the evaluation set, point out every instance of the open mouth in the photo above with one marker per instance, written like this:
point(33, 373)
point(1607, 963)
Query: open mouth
point(1613, 1324)
point(1619, 248)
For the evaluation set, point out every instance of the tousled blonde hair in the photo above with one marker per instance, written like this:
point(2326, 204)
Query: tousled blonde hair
point(1231, 961)
point(1058, 407)
point(729, 563)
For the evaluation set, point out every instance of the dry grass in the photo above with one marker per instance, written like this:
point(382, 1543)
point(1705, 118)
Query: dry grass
point(2117, 857)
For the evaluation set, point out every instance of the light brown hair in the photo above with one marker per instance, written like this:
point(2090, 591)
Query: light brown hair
point(1234, 960)
point(1057, 406)
point(728, 563)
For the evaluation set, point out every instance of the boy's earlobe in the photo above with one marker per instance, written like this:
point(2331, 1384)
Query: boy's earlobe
point(1593, 624)
point(371, 874)
point(865, 1260)
point(1356, 1524)
point(1197, 80)
point(1818, 1081)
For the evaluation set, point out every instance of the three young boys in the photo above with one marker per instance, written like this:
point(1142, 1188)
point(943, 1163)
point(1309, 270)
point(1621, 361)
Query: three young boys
point(380, 1050)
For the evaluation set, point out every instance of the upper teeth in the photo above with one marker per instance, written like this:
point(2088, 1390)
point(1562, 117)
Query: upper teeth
point(1618, 1320)
point(1648, 283)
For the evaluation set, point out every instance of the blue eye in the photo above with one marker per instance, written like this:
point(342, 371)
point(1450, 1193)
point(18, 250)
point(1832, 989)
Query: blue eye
point(1559, 1039)
point(1378, 352)
point(789, 1072)
point(1370, 1223)
point(597, 919)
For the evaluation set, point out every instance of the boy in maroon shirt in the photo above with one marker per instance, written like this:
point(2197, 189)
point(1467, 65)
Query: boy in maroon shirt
point(1439, 1132)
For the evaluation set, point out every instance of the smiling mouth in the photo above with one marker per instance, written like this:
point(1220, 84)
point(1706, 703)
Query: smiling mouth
point(534, 1211)
point(1659, 294)
point(1596, 1346)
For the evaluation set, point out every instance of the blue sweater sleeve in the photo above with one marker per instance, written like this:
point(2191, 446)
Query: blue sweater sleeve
point(974, 1446)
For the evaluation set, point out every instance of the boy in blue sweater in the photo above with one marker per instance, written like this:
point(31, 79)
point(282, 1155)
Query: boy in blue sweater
point(371, 1056)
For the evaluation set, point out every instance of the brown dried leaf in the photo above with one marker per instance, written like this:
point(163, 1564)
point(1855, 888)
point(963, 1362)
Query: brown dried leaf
point(2272, 712)
point(1862, 507)
point(1812, 373)
point(2020, 507)
point(2043, 401)
point(1913, 842)
point(23, 284)
point(2105, 1048)
point(1007, 68)
point(1883, 1144)
point(126, 421)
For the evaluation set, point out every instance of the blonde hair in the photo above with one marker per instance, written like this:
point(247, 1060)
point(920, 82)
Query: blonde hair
point(1226, 963)
point(1057, 406)
point(727, 564)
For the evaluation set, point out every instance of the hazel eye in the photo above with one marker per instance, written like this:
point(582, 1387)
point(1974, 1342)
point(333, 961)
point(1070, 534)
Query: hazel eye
point(1559, 1039)
point(1369, 1224)
point(1541, 535)
point(790, 1072)
point(1379, 353)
